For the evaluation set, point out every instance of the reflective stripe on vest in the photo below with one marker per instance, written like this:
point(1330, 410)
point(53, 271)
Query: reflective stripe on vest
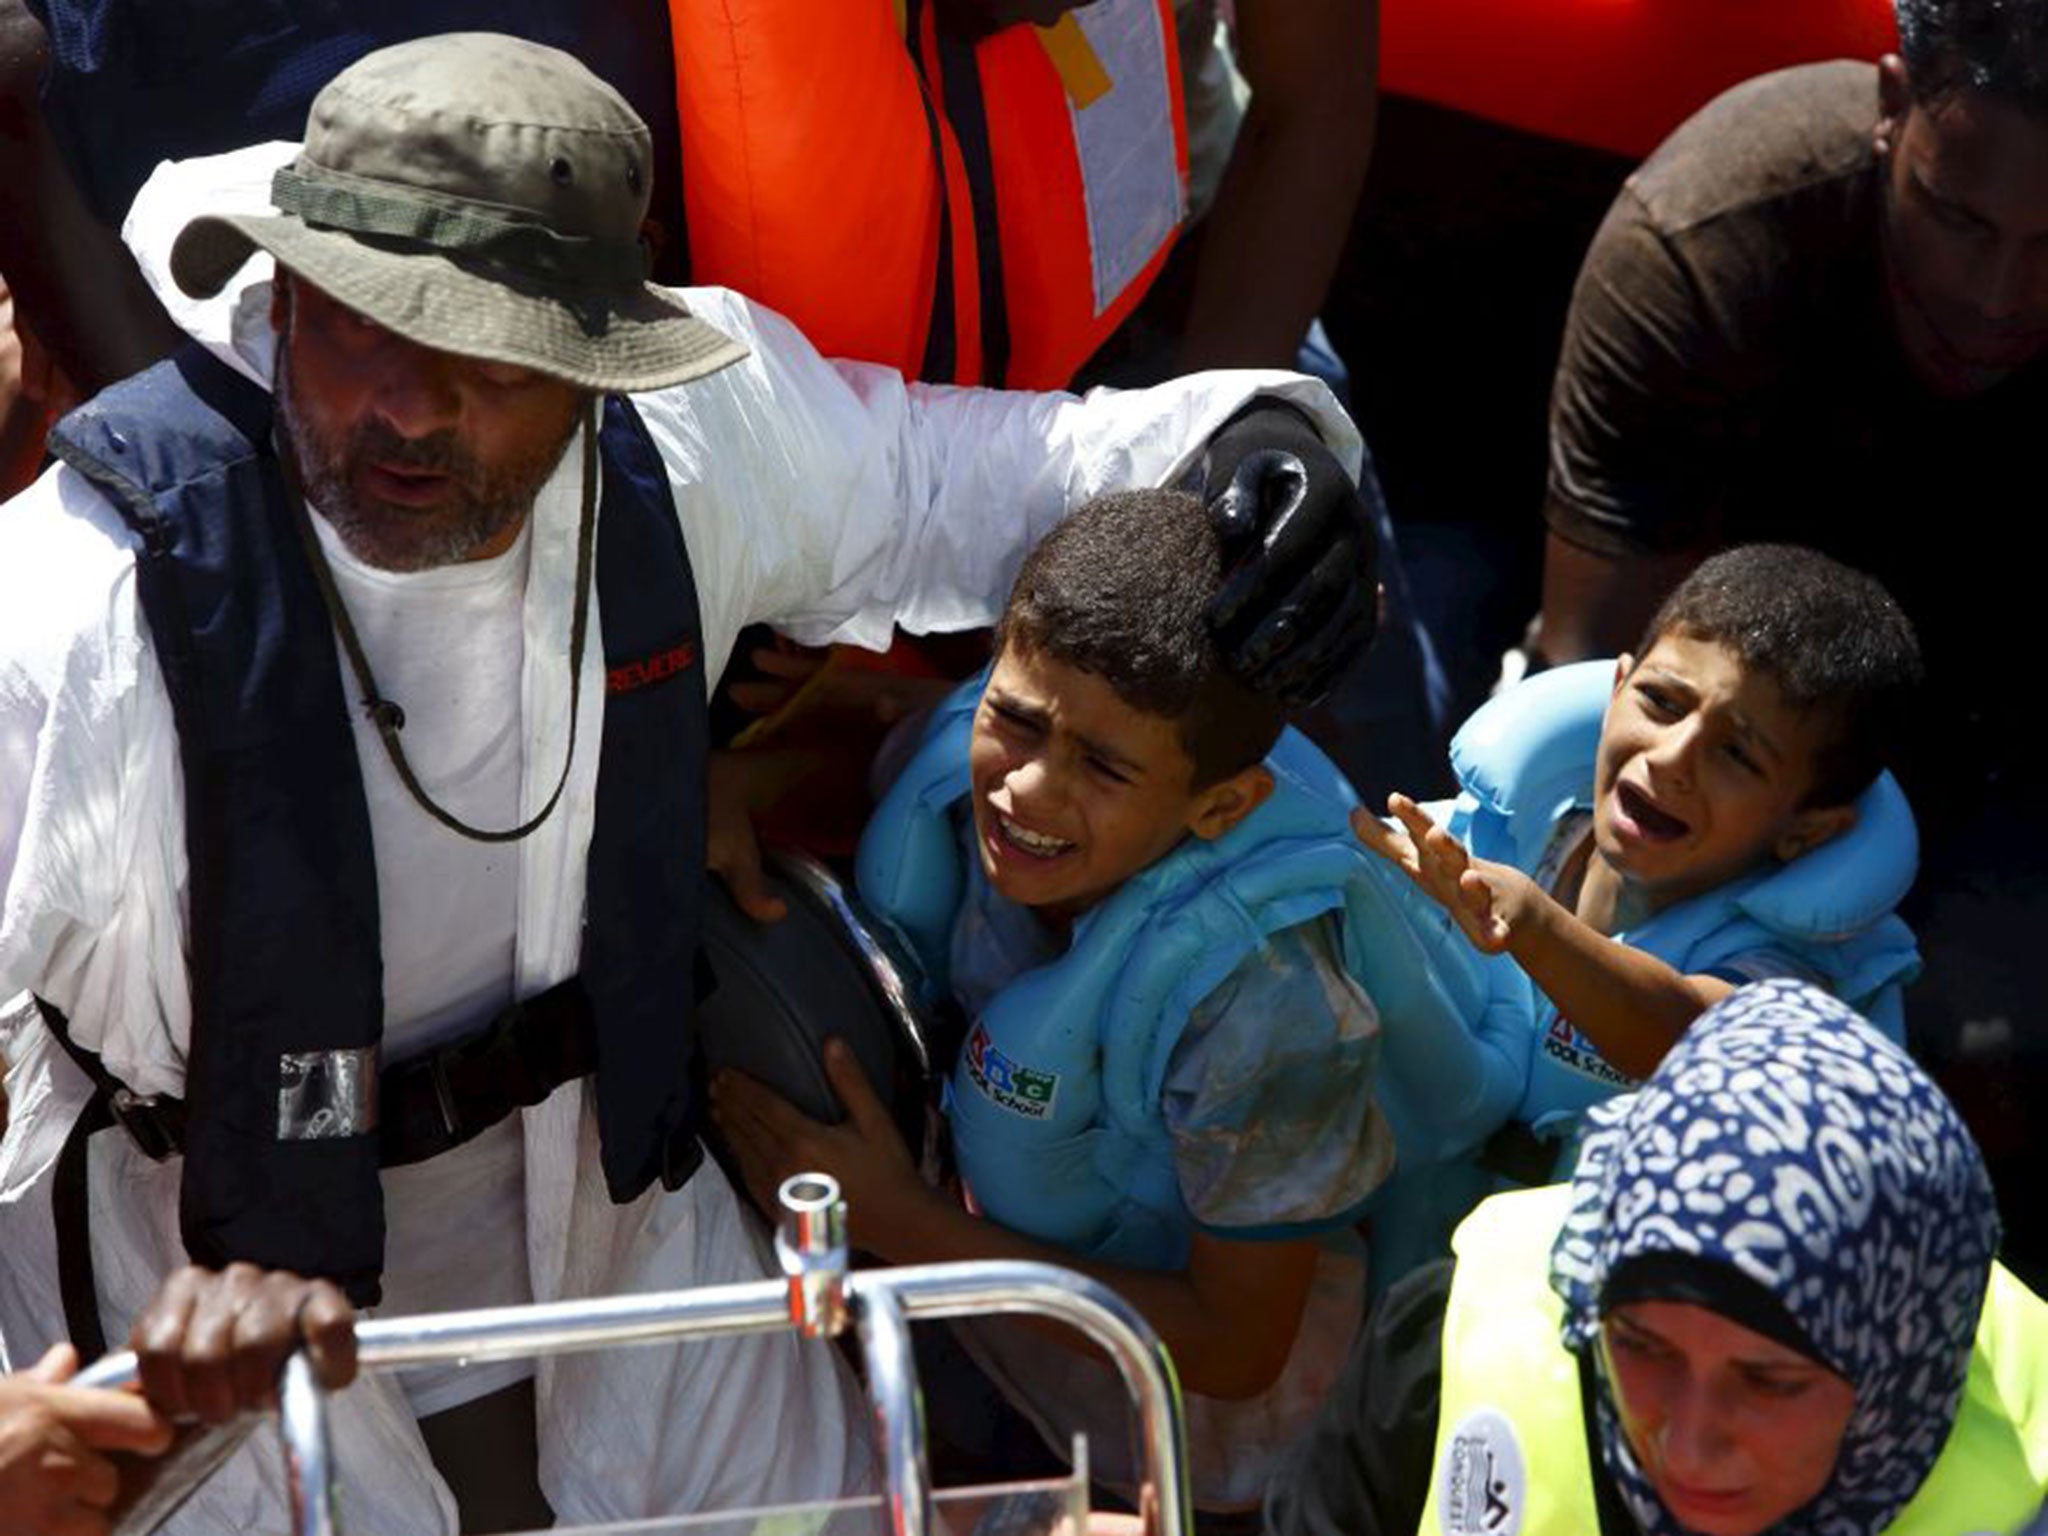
point(285, 968)
point(902, 192)
point(1512, 1457)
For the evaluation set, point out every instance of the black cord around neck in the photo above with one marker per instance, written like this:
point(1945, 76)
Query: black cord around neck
point(386, 714)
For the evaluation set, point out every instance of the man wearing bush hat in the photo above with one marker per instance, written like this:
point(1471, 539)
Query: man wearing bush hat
point(352, 751)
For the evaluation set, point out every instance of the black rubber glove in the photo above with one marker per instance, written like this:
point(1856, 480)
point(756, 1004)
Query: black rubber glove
point(1300, 597)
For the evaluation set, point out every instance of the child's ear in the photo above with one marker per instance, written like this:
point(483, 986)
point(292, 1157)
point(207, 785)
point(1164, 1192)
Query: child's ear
point(1809, 829)
point(1623, 665)
point(1228, 801)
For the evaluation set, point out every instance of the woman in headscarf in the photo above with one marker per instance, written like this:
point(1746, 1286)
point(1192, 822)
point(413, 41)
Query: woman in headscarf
point(1767, 1302)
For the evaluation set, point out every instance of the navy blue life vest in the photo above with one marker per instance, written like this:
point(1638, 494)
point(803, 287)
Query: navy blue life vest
point(283, 913)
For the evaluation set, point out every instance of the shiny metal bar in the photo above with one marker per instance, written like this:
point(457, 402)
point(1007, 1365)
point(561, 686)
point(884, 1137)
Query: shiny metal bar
point(308, 1452)
point(899, 1407)
point(513, 1333)
point(1046, 1290)
point(919, 1292)
point(810, 1243)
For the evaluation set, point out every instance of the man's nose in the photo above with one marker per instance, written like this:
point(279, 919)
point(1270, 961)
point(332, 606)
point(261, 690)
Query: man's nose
point(2014, 283)
point(416, 391)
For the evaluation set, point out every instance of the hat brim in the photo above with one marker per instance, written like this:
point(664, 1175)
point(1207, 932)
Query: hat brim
point(639, 340)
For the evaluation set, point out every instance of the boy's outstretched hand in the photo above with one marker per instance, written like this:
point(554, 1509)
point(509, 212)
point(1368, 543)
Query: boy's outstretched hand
point(773, 1139)
point(1488, 900)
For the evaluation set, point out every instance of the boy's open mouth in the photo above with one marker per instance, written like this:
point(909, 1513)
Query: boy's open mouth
point(1038, 845)
point(1645, 819)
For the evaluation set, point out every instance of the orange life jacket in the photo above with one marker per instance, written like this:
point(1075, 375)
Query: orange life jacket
point(968, 213)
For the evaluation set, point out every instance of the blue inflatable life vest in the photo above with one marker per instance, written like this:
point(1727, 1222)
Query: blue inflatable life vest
point(1055, 1099)
point(285, 955)
point(1526, 758)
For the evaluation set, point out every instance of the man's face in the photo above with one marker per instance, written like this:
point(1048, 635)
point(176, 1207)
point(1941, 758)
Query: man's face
point(1965, 233)
point(417, 458)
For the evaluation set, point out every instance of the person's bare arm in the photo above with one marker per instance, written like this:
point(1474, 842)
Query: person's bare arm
point(1644, 410)
point(1598, 604)
point(1229, 1318)
point(1271, 241)
point(1630, 1004)
point(71, 275)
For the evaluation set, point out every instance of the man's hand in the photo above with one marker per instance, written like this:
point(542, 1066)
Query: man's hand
point(211, 1346)
point(731, 850)
point(1300, 598)
point(55, 1476)
point(1489, 901)
point(773, 1139)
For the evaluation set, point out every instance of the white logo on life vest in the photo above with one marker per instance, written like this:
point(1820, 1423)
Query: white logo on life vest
point(1482, 1485)
point(1008, 1083)
point(1565, 1045)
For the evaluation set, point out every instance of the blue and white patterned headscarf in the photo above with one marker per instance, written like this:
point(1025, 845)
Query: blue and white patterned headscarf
point(1786, 1137)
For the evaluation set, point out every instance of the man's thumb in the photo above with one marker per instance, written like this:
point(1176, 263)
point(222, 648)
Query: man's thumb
point(736, 860)
point(843, 1070)
point(59, 1364)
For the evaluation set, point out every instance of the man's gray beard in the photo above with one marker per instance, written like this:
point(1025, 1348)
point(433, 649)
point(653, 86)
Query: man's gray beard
point(487, 503)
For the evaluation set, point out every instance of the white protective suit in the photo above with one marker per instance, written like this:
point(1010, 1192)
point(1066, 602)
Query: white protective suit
point(828, 499)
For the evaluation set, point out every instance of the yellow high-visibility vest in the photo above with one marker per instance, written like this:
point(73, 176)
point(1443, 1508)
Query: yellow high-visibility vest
point(1512, 1457)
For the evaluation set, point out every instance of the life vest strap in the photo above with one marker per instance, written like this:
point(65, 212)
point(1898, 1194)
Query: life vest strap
point(425, 1106)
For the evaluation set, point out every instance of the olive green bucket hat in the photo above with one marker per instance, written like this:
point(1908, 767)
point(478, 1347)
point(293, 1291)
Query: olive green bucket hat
point(479, 195)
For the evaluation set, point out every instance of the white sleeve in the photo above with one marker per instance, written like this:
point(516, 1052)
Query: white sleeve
point(833, 500)
point(830, 499)
point(91, 826)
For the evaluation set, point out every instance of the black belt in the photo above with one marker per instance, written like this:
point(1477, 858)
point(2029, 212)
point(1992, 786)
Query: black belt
point(431, 1104)
point(427, 1104)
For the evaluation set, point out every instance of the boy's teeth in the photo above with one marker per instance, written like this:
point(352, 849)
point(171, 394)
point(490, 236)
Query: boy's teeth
point(1036, 842)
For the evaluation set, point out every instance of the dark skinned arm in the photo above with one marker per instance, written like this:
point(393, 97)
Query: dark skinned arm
point(1270, 243)
point(71, 275)
point(1650, 394)
point(1597, 604)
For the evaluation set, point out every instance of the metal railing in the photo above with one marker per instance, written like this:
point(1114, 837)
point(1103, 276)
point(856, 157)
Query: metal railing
point(819, 1297)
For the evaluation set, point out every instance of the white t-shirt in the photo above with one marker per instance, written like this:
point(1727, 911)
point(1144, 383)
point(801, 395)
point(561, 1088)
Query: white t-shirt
point(448, 646)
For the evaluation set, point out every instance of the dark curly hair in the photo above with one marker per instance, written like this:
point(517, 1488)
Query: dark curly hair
point(1999, 47)
point(1832, 639)
point(1121, 589)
